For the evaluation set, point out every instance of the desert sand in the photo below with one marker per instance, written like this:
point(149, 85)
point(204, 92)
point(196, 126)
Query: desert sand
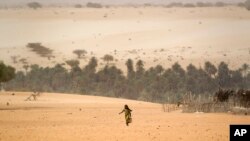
point(156, 35)
point(64, 117)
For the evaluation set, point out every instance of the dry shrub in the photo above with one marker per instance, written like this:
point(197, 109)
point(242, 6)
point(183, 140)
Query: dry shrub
point(189, 5)
point(240, 110)
point(174, 4)
point(220, 4)
point(202, 4)
point(93, 5)
point(34, 5)
point(170, 107)
point(236, 104)
point(208, 107)
point(78, 6)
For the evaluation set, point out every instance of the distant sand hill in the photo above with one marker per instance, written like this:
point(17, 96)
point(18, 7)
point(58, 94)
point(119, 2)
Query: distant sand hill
point(155, 35)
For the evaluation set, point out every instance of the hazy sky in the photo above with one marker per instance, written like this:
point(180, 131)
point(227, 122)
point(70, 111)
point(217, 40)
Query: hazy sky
point(15, 2)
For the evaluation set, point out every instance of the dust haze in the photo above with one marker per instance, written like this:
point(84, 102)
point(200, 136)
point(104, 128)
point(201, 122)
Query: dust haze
point(67, 68)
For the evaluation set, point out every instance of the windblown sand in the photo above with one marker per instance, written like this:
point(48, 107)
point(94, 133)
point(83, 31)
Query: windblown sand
point(156, 35)
point(65, 117)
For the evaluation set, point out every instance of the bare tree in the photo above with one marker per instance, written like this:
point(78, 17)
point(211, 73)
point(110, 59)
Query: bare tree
point(80, 52)
point(107, 58)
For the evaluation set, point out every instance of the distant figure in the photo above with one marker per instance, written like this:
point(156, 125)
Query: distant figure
point(127, 114)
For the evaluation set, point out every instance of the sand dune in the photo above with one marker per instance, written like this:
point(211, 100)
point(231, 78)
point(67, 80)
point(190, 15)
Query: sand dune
point(64, 117)
point(214, 34)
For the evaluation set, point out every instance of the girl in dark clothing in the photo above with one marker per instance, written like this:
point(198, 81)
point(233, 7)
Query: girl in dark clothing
point(127, 114)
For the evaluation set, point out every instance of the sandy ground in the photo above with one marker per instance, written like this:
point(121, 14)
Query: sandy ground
point(156, 35)
point(64, 117)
